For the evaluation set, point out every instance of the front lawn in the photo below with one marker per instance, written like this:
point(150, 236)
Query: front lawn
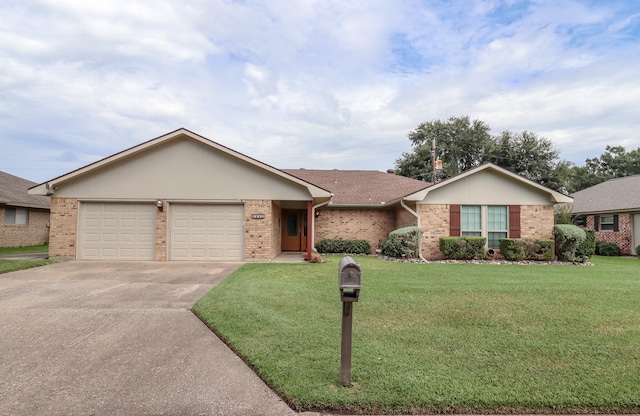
point(26, 249)
point(440, 337)
point(7, 266)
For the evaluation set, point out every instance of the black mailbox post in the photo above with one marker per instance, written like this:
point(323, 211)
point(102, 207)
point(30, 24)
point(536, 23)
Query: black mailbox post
point(349, 284)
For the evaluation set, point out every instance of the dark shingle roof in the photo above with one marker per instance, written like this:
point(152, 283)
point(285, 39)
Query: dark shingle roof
point(13, 191)
point(620, 194)
point(360, 187)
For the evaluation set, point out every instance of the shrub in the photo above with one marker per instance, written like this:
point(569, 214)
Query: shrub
point(605, 248)
point(340, 246)
point(638, 250)
point(463, 248)
point(588, 247)
point(568, 238)
point(403, 242)
point(512, 249)
point(517, 249)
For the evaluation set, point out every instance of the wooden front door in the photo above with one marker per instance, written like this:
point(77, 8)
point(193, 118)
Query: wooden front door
point(294, 230)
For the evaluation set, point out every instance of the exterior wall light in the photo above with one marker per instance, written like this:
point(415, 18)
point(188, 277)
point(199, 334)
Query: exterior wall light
point(159, 204)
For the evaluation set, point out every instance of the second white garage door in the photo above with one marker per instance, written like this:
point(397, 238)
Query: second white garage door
point(206, 232)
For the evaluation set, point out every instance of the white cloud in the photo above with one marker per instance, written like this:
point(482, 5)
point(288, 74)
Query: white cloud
point(312, 83)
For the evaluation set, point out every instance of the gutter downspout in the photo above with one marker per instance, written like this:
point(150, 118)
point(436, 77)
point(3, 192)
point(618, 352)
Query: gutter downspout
point(313, 221)
point(415, 214)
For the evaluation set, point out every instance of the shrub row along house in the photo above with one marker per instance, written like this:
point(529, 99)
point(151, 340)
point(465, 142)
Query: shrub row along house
point(181, 196)
point(24, 218)
point(612, 209)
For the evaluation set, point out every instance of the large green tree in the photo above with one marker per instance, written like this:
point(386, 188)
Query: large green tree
point(529, 155)
point(615, 162)
point(461, 144)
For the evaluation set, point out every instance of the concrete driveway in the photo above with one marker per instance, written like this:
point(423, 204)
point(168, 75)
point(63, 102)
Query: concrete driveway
point(96, 338)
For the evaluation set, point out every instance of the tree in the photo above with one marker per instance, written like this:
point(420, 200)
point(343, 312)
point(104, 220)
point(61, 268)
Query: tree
point(615, 162)
point(461, 144)
point(530, 156)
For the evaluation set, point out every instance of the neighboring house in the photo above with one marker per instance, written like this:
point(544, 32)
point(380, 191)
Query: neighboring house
point(183, 197)
point(24, 218)
point(612, 209)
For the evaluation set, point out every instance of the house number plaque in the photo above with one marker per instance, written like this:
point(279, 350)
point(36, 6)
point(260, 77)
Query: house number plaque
point(257, 216)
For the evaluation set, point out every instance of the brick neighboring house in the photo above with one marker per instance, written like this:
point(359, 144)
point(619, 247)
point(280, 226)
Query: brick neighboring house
point(181, 196)
point(612, 209)
point(24, 218)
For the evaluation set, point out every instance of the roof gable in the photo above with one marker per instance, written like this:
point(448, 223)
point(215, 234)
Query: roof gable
point(13, 191)
point(614, 195)
point(155, 147)
point(361, 187)
point(491, 183)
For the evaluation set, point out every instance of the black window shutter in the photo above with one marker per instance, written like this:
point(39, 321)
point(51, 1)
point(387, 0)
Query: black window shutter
point(615, 222)
point(596, 222)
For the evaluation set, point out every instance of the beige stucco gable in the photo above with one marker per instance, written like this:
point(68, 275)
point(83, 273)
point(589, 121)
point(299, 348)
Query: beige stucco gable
point(488, 185)
point(180, 168)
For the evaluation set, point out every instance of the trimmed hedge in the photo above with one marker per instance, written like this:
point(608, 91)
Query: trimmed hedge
point(568, 239)
point(518, 249)
point(340, 246)
point(403, 242)
point(604, 248)
point(463, 248)
point(588, 247)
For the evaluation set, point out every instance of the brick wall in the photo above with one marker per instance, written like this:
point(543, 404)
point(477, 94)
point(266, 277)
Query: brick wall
point(64, 224)
point(434, 220)
point(34, 233)
point(404, 218)
point(276, 230)
point(258, 241)
point(622, 237)
point(536, 221)
point(161, 233)
point(361, 224)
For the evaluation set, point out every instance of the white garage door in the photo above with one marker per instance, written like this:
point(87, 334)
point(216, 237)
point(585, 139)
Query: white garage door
point(206, 232)
point(110, 231)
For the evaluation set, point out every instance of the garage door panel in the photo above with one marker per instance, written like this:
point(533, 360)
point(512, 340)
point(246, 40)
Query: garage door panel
point(114, 231)
point(206, 232)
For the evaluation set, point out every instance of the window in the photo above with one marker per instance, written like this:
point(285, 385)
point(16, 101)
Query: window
point(16, 216)
point(607, 223)
point(497, 225)
point(471, 220)
point(490, 221)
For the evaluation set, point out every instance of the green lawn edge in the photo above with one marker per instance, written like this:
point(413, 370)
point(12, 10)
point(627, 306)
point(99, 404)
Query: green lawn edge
point(7, 266)
point(4, 251)
point(284, 322)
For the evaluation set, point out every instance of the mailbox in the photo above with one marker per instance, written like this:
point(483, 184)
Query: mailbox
point(349, 279)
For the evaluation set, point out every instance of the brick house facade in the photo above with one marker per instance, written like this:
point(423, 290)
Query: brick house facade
point(123, 206)
point(35, 232)
point(24, 218)
point(612, 209)
point(621, 234)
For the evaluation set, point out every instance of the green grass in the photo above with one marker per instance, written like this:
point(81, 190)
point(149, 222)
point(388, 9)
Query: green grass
point(7, 266)
point(440, 337)
point(27, 249)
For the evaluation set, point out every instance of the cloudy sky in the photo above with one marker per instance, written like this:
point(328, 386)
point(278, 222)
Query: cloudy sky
point(302, 83)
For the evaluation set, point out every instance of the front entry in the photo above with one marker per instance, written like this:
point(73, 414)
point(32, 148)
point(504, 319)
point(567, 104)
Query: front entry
point(294, 230)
